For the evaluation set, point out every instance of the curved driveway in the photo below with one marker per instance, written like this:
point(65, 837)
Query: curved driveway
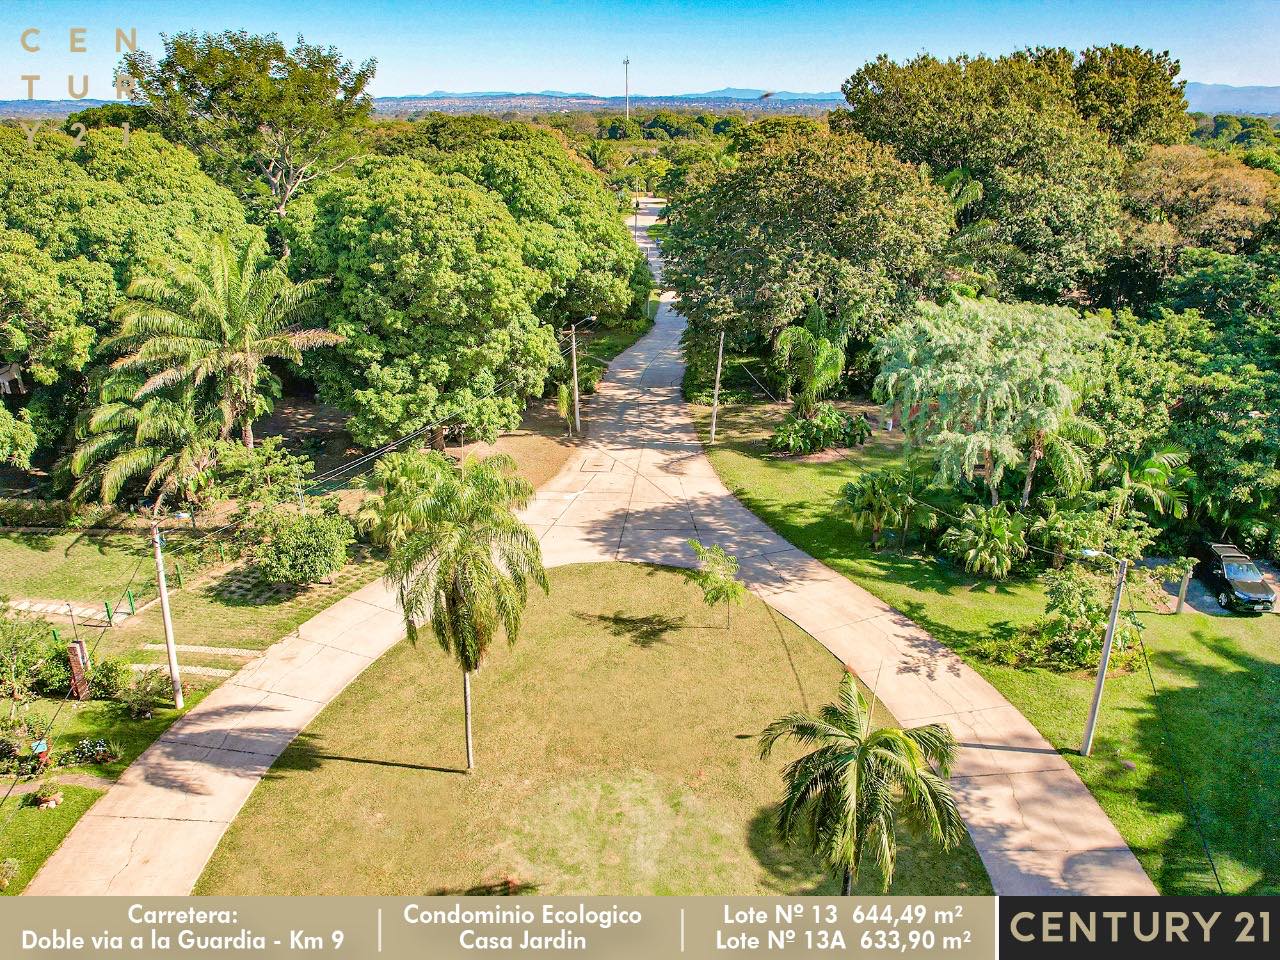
point(641, 487)
point(637, 490)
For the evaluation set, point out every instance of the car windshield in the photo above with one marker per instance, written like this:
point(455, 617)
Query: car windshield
point(1243, 571)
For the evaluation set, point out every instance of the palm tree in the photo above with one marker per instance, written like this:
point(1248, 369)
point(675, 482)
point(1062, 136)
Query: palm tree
point(811, 361)
point(849, 794)
point(988, 540)
point(169, 440)
point(1059, 438)
point(458, 555)
point(1160, 479)
point(217, 318)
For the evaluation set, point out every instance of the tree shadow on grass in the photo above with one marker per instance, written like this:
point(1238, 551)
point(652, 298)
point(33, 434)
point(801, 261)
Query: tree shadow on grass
point(507, 887)
point(305, 754)
point(1221, 731)
point(646, 631)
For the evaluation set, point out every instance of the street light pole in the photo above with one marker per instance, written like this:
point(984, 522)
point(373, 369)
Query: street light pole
point(715, 396)
point(1086, 747)
point(157, 543)
point(626, 83)
point(573, 337)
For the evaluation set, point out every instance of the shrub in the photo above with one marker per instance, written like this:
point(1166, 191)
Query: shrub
point(44, 793)
point(988, 540)
point(108, 678)
point(827, 428)
point(52, 674)
point(301, 547)
point(148, 690)
point(8, 872)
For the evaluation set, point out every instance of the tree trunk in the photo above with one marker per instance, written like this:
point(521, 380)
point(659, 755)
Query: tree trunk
point(466, 712)
point(846, 883)
point(437, 439)
point(991, 482)
point(246, 433)
point(1032, 462)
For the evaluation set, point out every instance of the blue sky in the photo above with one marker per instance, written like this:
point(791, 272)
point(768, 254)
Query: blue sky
point(675, 47)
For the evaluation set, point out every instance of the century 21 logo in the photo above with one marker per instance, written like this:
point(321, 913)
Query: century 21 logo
point(77, 43)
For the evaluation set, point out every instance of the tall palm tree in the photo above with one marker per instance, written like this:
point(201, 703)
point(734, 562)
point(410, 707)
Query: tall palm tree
point(217, 318)
point(848, 795)
point(168, 440)
point(458, 556)
point(1059, 438)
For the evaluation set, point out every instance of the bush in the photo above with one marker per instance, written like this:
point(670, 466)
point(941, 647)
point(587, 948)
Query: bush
point(146, 693)
point(32, 512)
point(989, 540)
point(8, 872)
point(52, 675)
point(109, 677)
point(301, 547)
point(827, 428)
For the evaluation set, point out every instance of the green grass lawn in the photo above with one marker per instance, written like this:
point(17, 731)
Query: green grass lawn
point(615, 754)
point(1218, 678)
point(87, 567)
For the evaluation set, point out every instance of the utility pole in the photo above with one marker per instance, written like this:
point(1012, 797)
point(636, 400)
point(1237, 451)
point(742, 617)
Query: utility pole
point(157, 542)
point(715, 396)
point(1087, 747)
point(626, 82)
point(577, 420)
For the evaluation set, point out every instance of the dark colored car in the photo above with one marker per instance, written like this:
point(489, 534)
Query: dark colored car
point(1234, 579)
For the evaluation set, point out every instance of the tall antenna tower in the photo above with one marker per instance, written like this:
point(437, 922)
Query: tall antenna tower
point(626, 82)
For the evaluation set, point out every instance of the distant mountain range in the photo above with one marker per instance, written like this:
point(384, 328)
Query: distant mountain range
point(1206, 97)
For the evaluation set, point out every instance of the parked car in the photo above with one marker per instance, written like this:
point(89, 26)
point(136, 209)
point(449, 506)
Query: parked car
point(1234, 579)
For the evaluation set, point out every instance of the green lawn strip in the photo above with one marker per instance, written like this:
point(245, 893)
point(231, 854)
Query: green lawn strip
point(1218, 677)
point(34, 834)
point(615, 754)
point(86, 568)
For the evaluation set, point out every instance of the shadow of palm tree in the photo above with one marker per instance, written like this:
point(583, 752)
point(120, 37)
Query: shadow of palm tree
point(645, 631)
point(507, 887)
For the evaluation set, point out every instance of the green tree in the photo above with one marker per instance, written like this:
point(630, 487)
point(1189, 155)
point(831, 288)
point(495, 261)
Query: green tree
point(217, 318)
point(884, 499)
point(717, 577)
point(988, 540)
point(990, 386)
point(458, 556)
point(849, 795)
point(432, 293)
point(1133, 95)
point(809, 363)
point(1013, 126)
point(813, 218)
point(1158, 479)
point(264, 120)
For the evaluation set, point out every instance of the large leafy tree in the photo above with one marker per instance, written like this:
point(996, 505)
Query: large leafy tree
point(217, 317)
point(431, 290)
point(858, 785)
point(1047, 173)
point(1133, 94)
point(1183, 197)
point(459, 558)
point(264, 119)
point(806, 217)
point(79, 222)
point(573, 234)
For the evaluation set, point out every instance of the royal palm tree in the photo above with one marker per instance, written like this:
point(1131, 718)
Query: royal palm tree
point(849, 795)
point(218, 319)
point(459, 557)
point(167, 440)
